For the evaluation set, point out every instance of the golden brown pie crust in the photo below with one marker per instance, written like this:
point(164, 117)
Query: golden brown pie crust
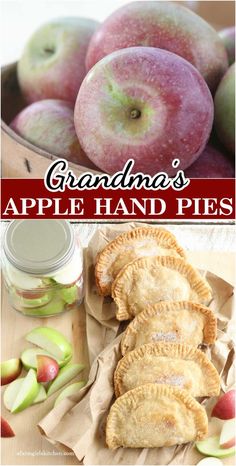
point(125, 411)
point(138, 324)
point(163, 238)
point(176, 353)
point(198, 285)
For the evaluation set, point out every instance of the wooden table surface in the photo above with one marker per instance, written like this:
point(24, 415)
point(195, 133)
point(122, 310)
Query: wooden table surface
point(28, 447)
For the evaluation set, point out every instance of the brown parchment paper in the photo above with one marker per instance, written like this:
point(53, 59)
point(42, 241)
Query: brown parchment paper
point(78, 422)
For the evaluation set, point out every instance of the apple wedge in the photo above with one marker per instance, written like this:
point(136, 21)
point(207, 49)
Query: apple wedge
point(225, 406)
point(27, 393)
point(70, 390)
point(11, 392)
point(52, 307)
point(6, 430)
point(228, 436)
point(210, 462)
point(50, 340)
point(10, 370)
point(41, 396)
point(29, 358)
point(65, 375)
point(69, 294)
point(211, 447)
point(47, 368)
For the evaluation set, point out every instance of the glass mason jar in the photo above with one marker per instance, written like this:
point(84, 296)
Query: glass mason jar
point(42, 267)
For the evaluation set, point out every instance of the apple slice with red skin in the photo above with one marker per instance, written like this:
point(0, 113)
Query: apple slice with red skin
point(227, 436)
point(34, 294)
point(225, 406)
point(211, 447)
point(47, 368)
point(6, 430)
point(10, 370)
point(65, 375)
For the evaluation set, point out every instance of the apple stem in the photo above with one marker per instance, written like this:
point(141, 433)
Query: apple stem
point(135, 113)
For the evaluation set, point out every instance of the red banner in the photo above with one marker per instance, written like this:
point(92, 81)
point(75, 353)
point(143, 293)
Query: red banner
point(212, 199)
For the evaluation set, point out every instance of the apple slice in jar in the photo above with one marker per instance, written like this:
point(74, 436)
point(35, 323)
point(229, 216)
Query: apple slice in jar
point(21, 280)
point(29, 358)
point(72, 272)
point(54, 306)
point(50, 340)
point(69, 294)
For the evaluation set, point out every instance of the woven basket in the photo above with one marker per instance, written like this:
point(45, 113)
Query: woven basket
point(20, 158)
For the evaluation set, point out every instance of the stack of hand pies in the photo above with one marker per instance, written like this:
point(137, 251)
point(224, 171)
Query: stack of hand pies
point(162, 370)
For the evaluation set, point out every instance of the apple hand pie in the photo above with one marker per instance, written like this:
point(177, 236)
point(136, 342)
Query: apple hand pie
point(167, 363)
point(139, 242)
point(148, 280)
point(173, 321)
point(155, 416)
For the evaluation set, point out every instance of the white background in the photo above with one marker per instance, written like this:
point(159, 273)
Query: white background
point(20, 18)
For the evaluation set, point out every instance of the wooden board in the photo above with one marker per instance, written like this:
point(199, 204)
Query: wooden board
point(28, 447)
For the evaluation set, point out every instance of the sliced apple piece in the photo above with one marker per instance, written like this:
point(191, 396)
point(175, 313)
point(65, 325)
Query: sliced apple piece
point(228, 434)
point(225, 406)
point(70, 390)
point(41, 396)
point(54, 306)
point(27, 393)
point(210, 462)
point(211, 447)
point(13, 389)
point(10, 370)
point(29, 358)
point(11, 392)
point(69, 294)
point(6, 430)
point(50, 340)
point(65, 375)
point(47, 368)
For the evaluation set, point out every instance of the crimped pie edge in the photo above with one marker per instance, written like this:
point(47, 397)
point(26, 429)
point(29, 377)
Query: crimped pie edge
point(198, 284)
point(170, 350)
point(155, 390)
point(163, 236)
point(209, 329)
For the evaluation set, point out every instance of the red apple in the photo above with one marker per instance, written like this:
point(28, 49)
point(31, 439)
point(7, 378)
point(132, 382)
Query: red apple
point(227, 35)
point(228, 434)
point(225, 110)
point(49, 124)
point(53, 62)
point(147, 104)
point(225, 406)
point(47, 368)
point(212, 163)
point(6, 430)
point(165, 25)
point(10, 370)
